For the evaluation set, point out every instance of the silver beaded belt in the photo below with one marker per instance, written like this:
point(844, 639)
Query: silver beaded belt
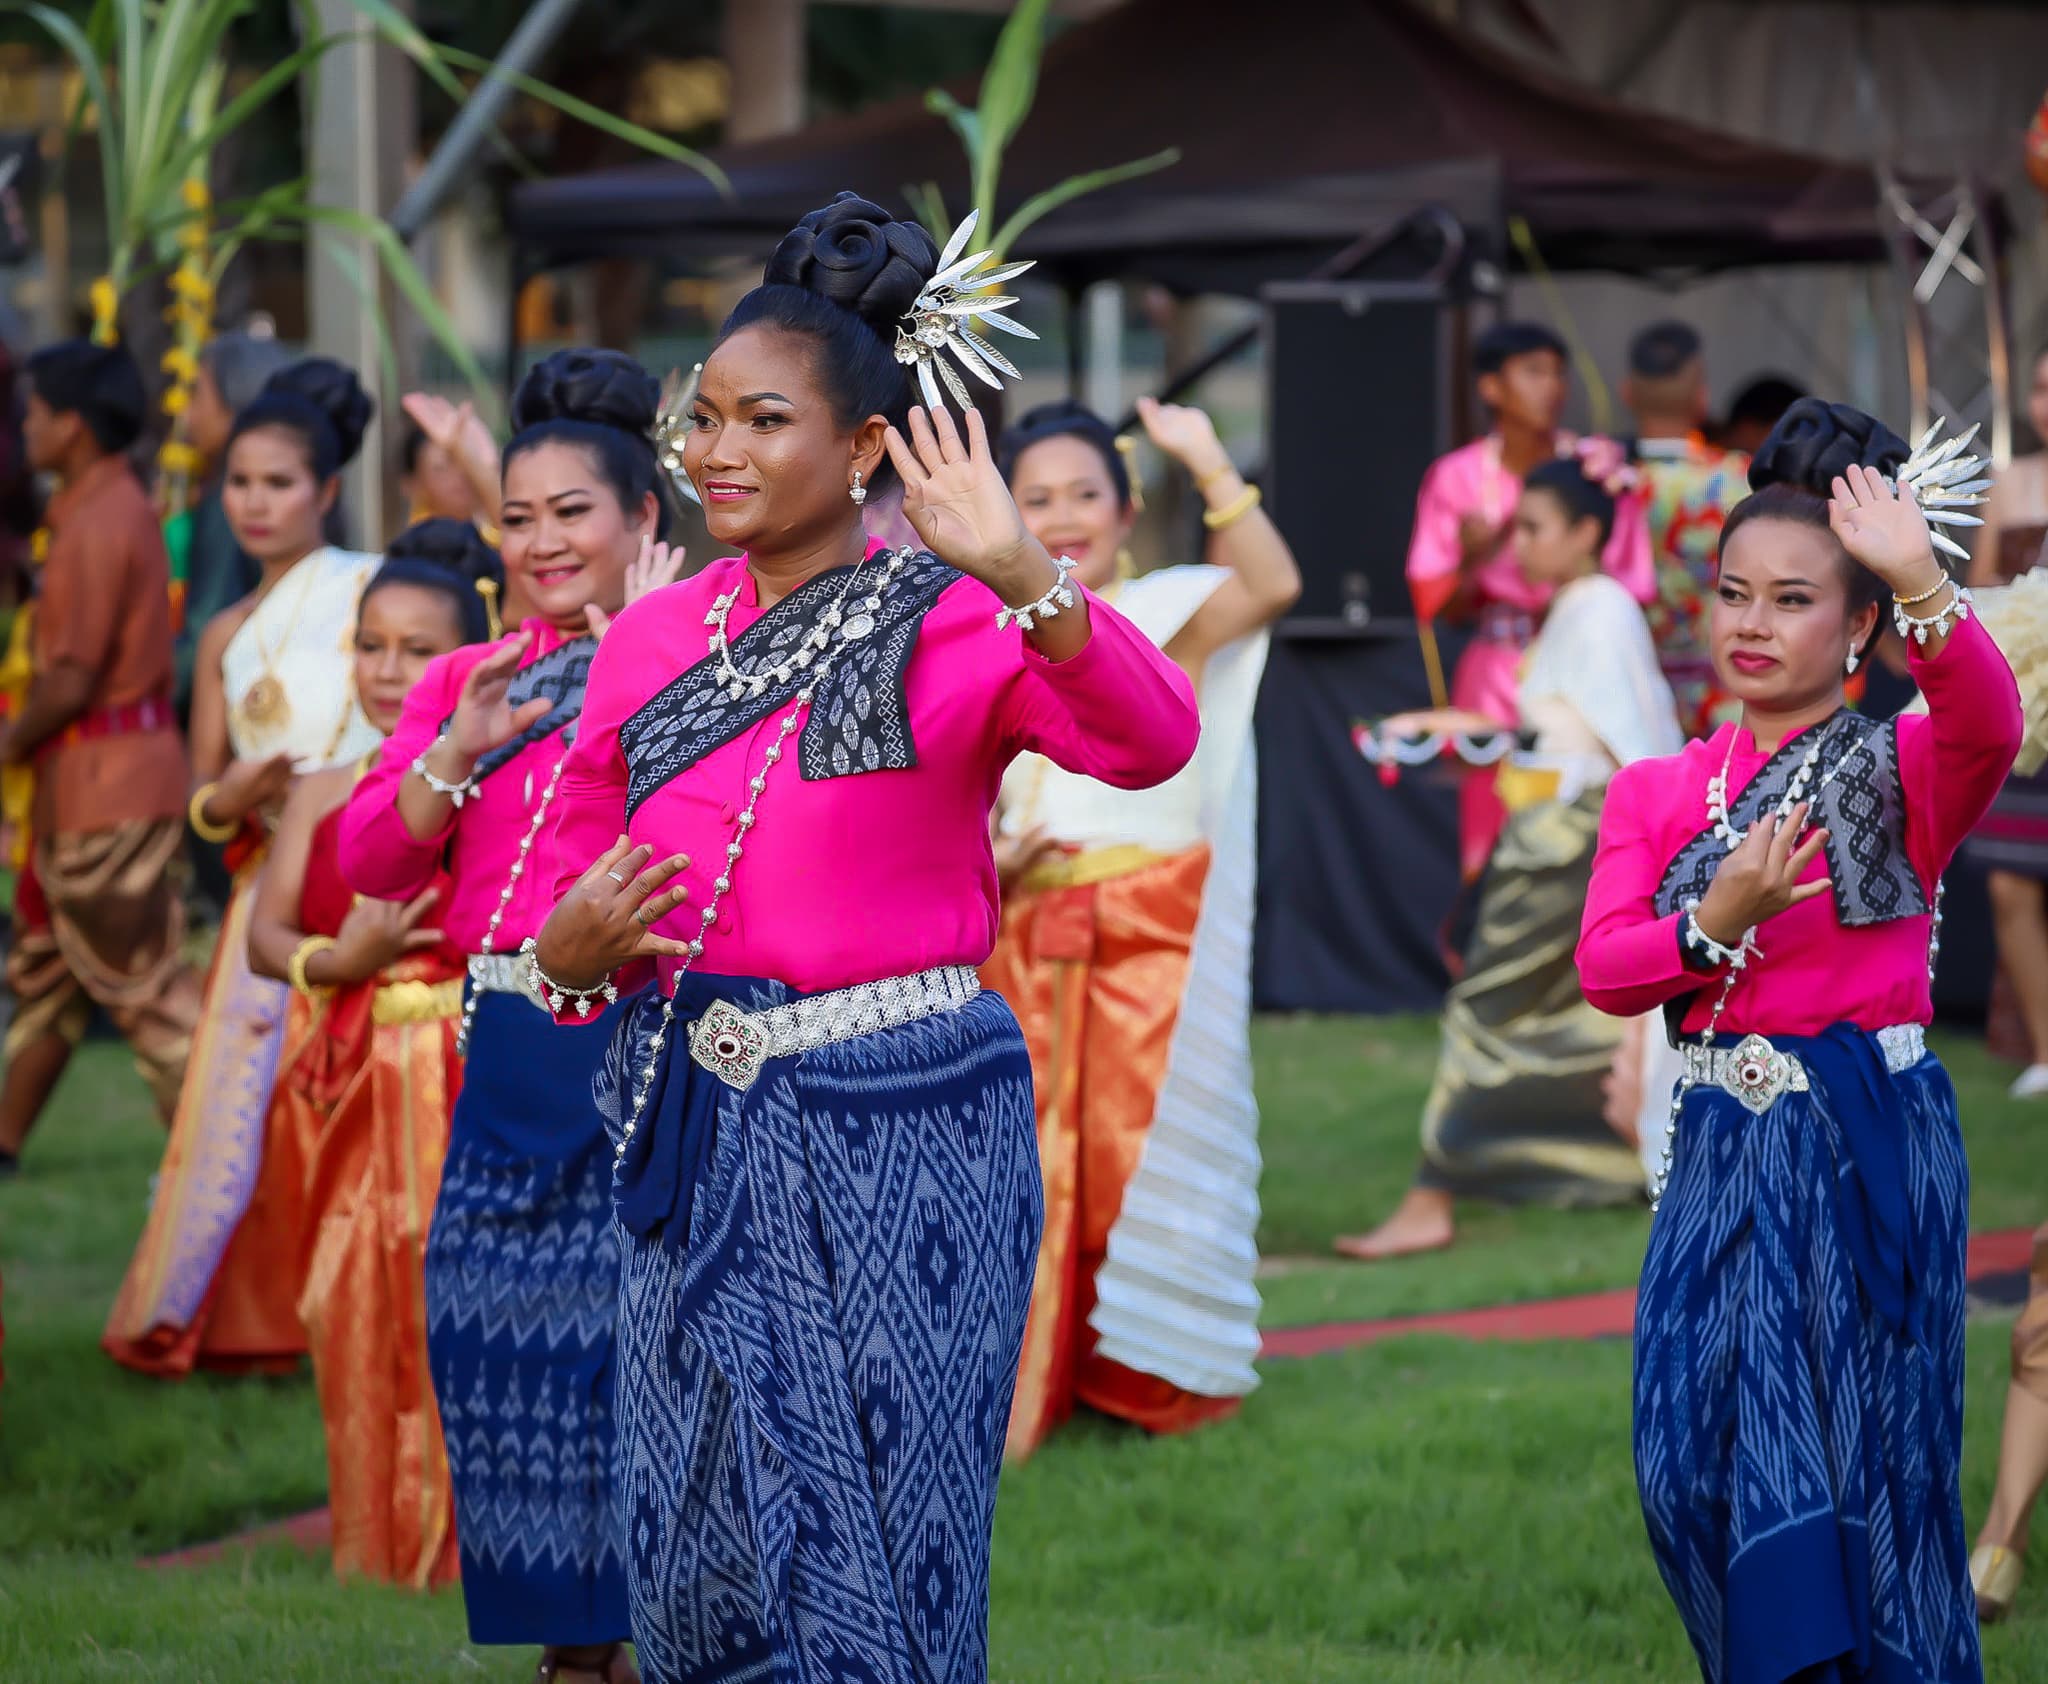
point(1757, 1074)
point(502, 973)
point(733, 1045)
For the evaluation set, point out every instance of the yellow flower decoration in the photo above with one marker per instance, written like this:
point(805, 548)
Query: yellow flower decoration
point(191, 287)
point(194, 192)
point(181, 365)
point(39, 545)
point(177, 458)
point(106, 311)
point(176, 399)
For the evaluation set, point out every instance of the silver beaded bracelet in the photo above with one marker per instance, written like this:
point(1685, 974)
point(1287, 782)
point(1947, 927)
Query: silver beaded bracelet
point(1714, 952)
point(558, 994)
point(1059, 595)
point(1944, 619)
point(456, 792)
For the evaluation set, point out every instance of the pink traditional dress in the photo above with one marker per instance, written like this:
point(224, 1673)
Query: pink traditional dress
point(827, 1183)
point(1799, 1331)
point(522, 1263)
point(1471, 480)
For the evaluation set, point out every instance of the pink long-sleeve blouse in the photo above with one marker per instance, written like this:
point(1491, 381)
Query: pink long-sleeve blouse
point(870, 856)
point(1815, 971)
point(380, 857)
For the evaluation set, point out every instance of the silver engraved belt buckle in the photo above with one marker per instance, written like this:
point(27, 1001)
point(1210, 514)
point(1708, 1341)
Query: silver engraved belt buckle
point(729, 1044)
point(1758, 1073)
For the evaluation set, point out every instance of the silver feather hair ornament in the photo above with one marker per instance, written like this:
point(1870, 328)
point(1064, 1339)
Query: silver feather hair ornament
point(672, 426)
point(944, 316)
point(1944, 482)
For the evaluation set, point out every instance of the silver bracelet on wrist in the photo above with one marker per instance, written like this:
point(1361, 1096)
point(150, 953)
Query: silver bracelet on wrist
point(558, 994)
point(1058, 595)
point(456, 792)
point(1719, 953)
point(1949, 615)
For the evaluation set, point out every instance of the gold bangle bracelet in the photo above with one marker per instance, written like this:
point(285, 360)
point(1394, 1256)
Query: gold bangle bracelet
point(1234, 510)
point(203, 827)
point(301, 956)
point(1214, 474)
point(1933, 589)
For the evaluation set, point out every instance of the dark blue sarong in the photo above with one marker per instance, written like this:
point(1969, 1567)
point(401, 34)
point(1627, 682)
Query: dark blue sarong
point(826, 1280)
point(1799, 1378)
point(522, 1274)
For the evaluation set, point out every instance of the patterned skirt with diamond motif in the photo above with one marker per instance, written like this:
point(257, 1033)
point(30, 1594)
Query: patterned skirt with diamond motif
point(826, 1280)
point(522, 1276)
point(1798, 1456)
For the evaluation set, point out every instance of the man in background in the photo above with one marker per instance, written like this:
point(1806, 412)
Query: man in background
point(1692, 486)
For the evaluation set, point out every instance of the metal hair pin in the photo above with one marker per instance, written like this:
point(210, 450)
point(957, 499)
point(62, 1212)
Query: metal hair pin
point(941, 319)
point(672, 426)
point(1944, 482)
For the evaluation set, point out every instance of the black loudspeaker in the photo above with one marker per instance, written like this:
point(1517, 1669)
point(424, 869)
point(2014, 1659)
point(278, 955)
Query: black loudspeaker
point(1358, 379)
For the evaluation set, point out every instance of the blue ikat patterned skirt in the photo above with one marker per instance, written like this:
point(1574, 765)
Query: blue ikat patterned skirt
point(826, 1280)
point(522, 1272)
point(1797, 1453)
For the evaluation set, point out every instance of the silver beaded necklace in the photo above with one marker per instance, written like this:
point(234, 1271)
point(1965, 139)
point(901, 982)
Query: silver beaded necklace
point(505, 894)
point(821, 664)
point(849, 628)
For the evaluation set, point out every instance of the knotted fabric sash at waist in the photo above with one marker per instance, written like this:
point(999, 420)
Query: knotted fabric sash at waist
point(1854, 1073)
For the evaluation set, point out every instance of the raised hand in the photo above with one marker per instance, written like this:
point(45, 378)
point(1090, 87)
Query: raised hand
point(484, 716)
point(608, 918)
point(657, 565)
point(377, 933)
point(457, 429)
point(1884, 530)
point(1760, 878)
point(1184, 433)
point(959, 507)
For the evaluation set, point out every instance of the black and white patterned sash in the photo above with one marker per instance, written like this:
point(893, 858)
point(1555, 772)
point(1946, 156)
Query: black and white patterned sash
point(560, 675)
point(860, 717)
point(1863, 808)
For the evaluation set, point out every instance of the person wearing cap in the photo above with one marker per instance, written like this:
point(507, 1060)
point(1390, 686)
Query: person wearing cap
point(99, 727)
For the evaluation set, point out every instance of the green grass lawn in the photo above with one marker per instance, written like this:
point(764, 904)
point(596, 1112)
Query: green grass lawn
point(1422, 1510)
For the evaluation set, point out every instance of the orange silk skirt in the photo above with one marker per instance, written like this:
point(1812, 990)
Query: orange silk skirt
point(377, 1094)
point(247, 1318)
point(1093, 957)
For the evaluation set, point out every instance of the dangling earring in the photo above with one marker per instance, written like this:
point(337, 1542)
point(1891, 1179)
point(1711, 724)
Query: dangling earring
point(858, 492)
point(1850, 664)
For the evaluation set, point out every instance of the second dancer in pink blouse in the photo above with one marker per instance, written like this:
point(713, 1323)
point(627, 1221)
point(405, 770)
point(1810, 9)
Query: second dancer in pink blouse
point(1775, 889)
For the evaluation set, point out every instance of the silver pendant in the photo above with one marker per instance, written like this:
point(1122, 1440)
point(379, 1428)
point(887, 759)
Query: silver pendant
point(527, 800)
point(857, 627)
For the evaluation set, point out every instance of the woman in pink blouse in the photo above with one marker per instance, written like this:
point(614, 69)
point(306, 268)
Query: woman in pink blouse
point(778, 805)
point(1799, 1355)
point(522, 1264)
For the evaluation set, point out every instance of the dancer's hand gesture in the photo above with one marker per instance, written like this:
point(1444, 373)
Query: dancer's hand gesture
point(1884, 530)
point(957, 503)
point(377, 933)
point(658, 564)
point(250, 786)
point(1760, 878)
point(608, 918)
point(484, 716)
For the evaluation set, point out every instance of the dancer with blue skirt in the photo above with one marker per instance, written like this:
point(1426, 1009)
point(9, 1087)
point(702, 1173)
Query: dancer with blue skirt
point(1776, 888)
point(777, 811)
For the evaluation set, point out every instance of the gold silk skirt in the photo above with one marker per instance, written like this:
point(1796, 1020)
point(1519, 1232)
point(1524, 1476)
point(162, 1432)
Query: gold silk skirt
point(1092, 956)
point(373, 1098)
point(1516, 1112)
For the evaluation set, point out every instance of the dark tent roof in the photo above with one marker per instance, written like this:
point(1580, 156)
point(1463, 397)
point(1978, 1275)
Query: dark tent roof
point(1299, 129)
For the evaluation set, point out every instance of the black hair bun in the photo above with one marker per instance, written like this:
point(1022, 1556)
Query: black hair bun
point(333, 389)
point(856, 254)
point(453, 546)
point(1814, 441)
point(602, 388)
